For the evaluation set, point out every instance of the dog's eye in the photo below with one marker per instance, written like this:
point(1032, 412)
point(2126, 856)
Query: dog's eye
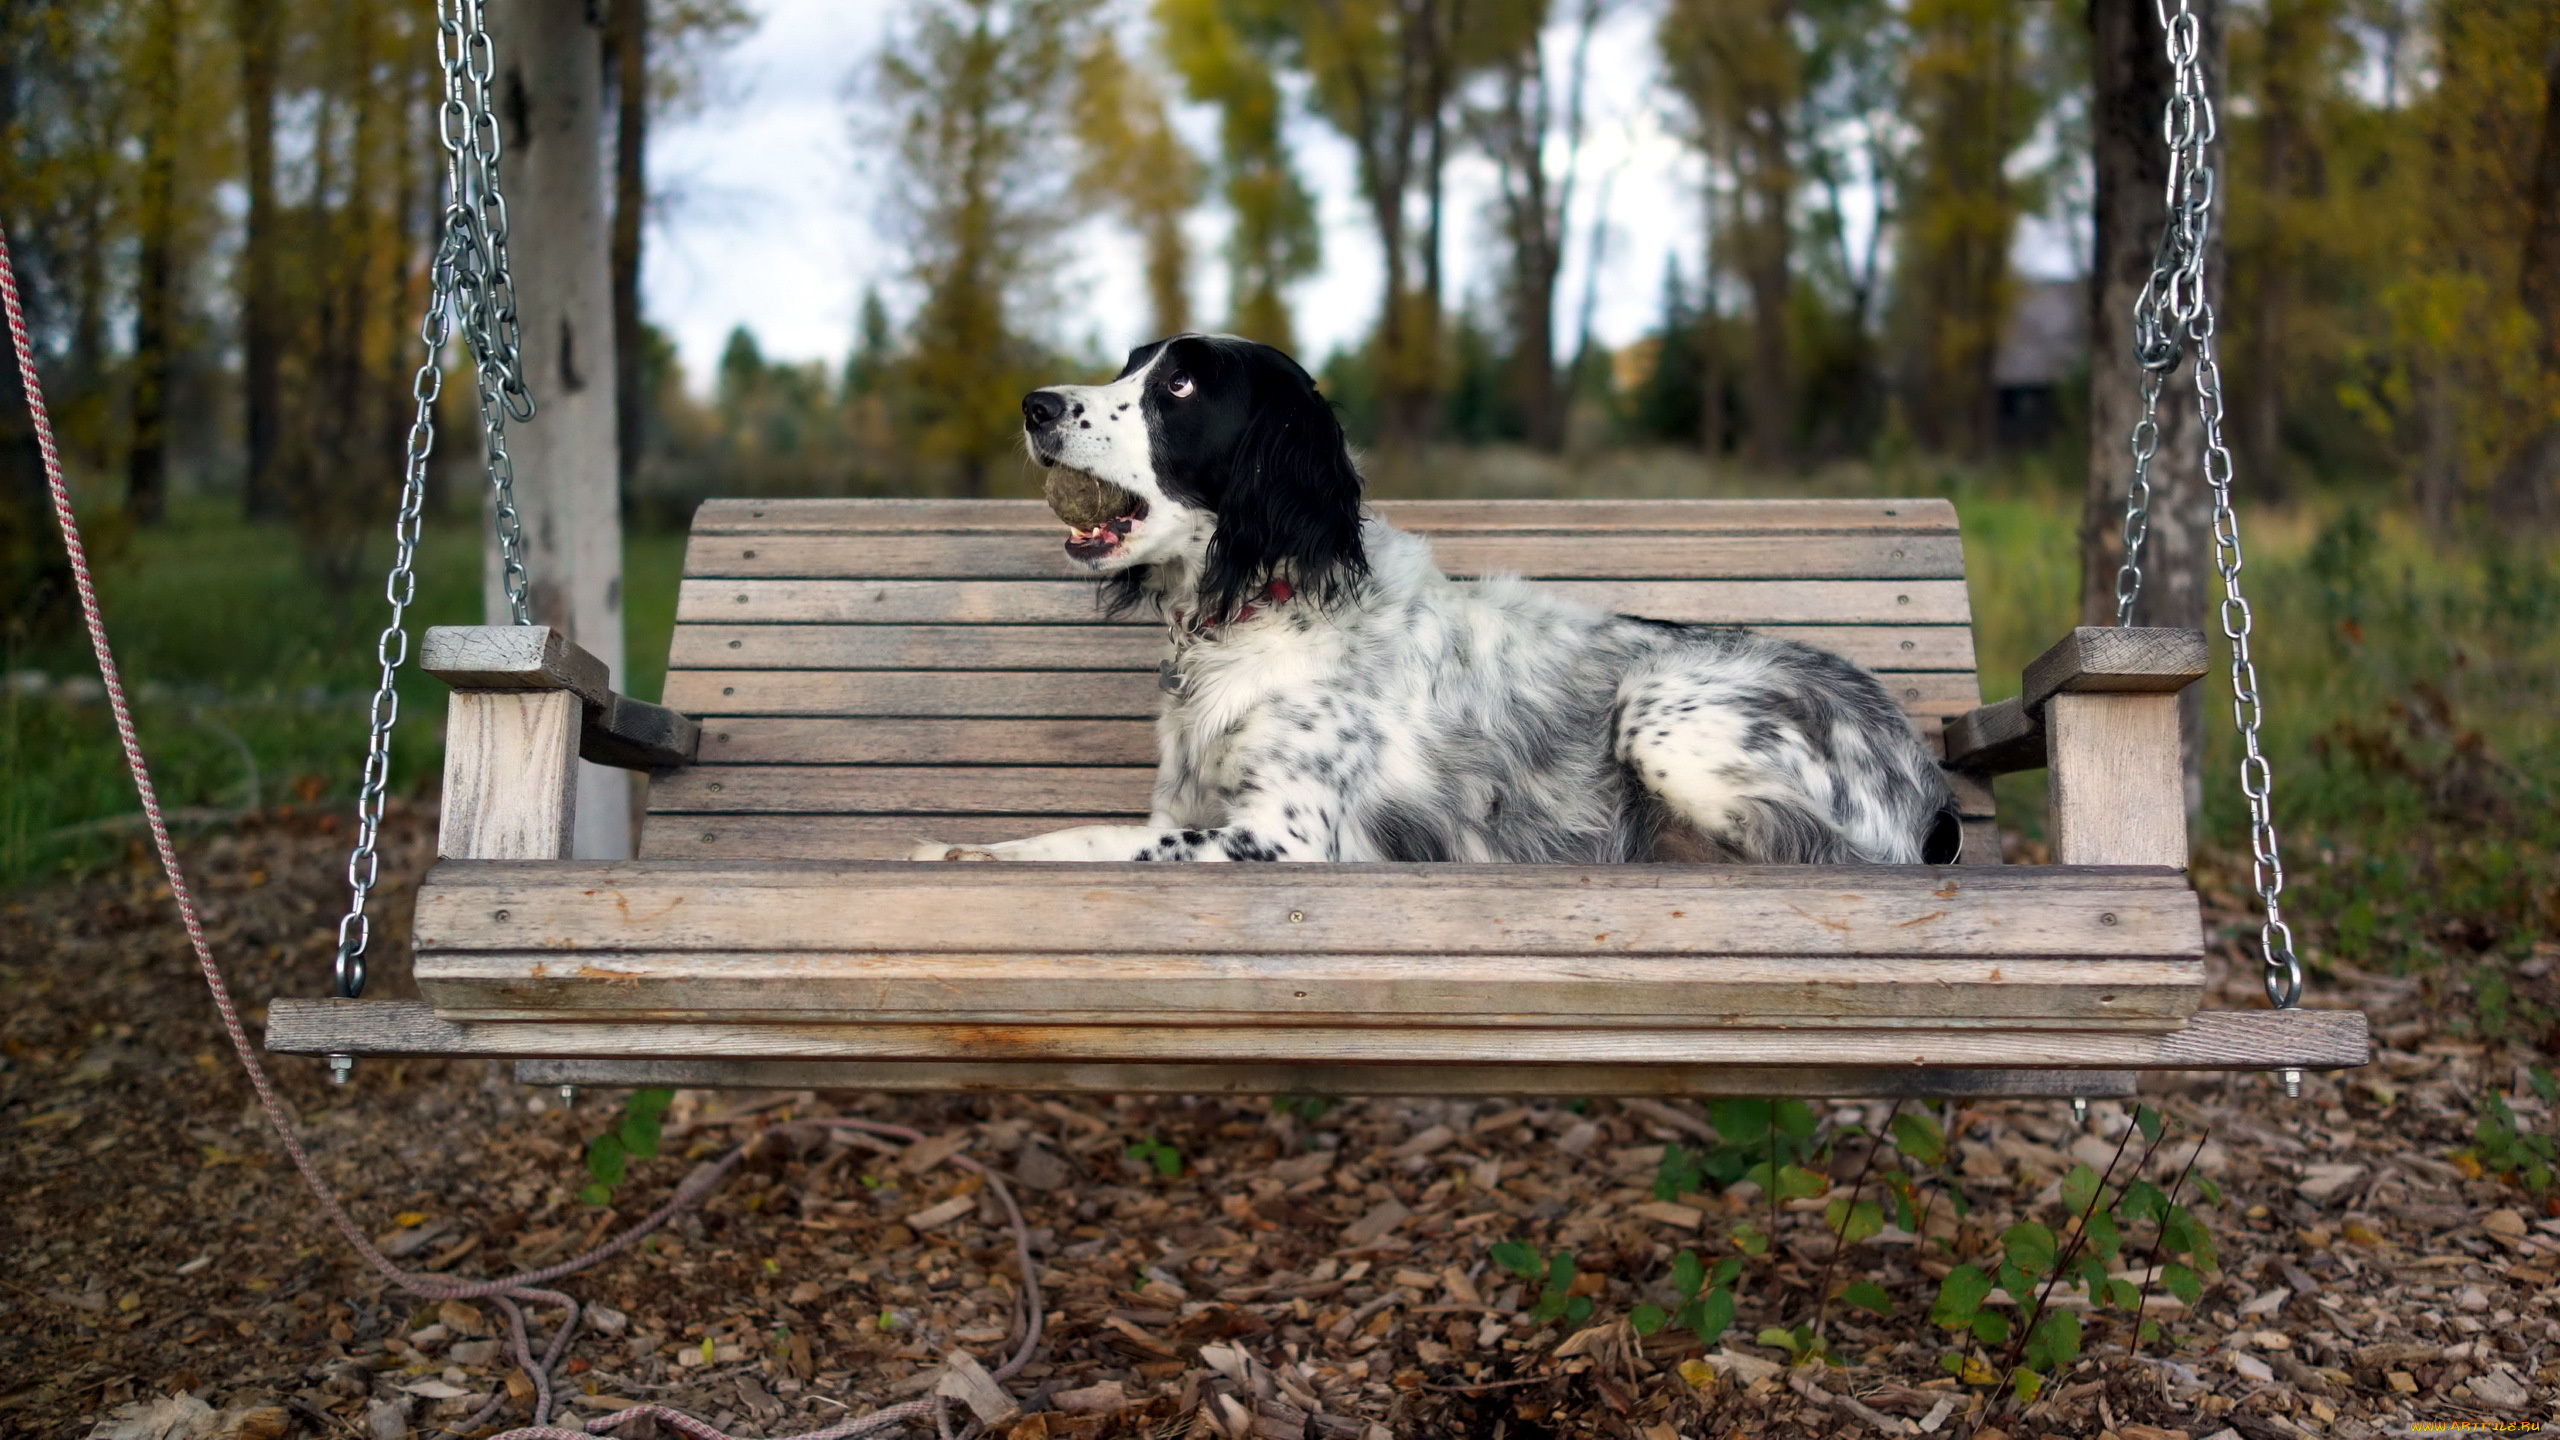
point(1181, 386)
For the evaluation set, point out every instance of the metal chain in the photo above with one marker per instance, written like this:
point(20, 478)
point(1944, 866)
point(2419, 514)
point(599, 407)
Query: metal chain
point(2174, 313)
point(476, 208)
point(469, 288)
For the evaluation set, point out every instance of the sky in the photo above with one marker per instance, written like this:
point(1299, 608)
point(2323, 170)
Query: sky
point(766, 215)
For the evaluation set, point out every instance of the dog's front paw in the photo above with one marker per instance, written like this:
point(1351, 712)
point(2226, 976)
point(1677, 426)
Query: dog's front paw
point(952, 852)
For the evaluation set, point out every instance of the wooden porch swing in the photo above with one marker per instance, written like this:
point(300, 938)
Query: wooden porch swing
point(869, 673)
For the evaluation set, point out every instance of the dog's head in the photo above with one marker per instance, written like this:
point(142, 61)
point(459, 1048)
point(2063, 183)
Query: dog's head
point(1208, 452)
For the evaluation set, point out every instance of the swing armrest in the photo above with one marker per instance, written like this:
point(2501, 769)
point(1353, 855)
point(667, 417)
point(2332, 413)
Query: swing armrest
point(2009, 735)
point(613, 729)
point(527, 705)
point(2100, 711)
point(1995, 739)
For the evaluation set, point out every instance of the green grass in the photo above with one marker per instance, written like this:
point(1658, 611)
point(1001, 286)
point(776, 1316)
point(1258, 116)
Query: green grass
point(250, 681)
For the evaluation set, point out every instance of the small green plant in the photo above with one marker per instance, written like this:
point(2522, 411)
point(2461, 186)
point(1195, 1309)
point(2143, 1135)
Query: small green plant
point(1552, 1274)
point(2032, 1261)
point(1148, 1150)
point(1706, 1299)
point(634, 1136)
point(2510, 1151)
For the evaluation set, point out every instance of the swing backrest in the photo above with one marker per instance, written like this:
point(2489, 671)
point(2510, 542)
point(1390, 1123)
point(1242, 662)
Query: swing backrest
point(871, 673)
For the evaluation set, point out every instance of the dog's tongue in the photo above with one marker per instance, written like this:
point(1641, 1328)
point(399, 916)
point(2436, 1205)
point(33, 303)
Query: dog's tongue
point(1084, 500)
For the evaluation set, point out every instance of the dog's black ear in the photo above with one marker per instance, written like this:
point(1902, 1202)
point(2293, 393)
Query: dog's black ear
point(1291, 506)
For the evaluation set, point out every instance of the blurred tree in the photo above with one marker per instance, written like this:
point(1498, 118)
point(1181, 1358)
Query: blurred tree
point(654, 48)
point(1973, 98)
point(1857, 153)
point(256, 27)
point(351, 280)
point(160, 78)
point(1133, 157)
point(626, 46)
point(1673, 382)
point(1531, 103)
point(1271, 241)
point(2527, 490)
point(2292, 59)
point(2454, 368)
point(1738, 68)
point(1384, 74)
point(34, 69)
point(978, 96)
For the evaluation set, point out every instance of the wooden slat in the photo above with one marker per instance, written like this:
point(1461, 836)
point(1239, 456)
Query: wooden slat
point(938, 789)
point(900, 789)
point(1085, 694)
point(861, 516)
point(1130, 647)
point(767, 740)
point(2221, 1040)
point(1413, 909)
point(1344, 991)
point(1078, 694)
point(1069, 602)
point(1567, 554)
point(845, 837)
point(761, 740)
point(1014, 1077)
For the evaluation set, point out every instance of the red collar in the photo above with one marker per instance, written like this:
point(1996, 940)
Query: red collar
point(1277, 592)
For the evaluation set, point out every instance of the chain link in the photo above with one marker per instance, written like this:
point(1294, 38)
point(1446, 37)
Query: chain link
point(2173, 315)
point(469, 288)
point(476, 209)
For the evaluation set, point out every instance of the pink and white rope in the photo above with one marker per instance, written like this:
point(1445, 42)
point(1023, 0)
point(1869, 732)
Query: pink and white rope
point(508, 1292)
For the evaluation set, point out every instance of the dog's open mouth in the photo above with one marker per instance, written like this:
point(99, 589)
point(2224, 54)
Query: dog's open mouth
point(1099, 514)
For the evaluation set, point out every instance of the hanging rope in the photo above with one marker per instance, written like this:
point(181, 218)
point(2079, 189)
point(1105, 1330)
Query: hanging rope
point(510, 1293)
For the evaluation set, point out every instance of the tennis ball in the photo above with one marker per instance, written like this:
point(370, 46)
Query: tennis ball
point(1084, 500)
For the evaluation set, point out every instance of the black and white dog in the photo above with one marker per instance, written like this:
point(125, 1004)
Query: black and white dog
point(1332, 696)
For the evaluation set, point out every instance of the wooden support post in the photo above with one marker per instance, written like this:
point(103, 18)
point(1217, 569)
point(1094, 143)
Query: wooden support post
point(2119, 790)
point(2109, 702)
point(510, 775)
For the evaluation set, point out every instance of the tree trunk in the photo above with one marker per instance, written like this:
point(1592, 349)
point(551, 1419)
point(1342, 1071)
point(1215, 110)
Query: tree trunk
point(2527, 491)
point(630, 45)
point(550, 94)
point(1772, 429)
point(261, 324)
point(155, 300)
point(2132, 78)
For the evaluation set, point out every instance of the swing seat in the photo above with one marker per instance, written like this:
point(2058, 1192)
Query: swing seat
point(870, 673)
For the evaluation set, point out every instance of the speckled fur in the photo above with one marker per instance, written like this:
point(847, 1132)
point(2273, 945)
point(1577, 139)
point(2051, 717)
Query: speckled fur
point(1386, 712)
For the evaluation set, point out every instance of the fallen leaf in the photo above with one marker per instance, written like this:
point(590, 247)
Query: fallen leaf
point(1665, 1212)
point(1097, 1399)
point(1424, 1143)
point(935, 1216)
point(1384, 1217)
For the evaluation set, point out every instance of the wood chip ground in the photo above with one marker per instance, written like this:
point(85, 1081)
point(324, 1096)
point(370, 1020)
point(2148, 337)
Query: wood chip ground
point(163, 1276)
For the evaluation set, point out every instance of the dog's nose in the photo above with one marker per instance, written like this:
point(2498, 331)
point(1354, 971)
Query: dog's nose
point(1042, 409)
